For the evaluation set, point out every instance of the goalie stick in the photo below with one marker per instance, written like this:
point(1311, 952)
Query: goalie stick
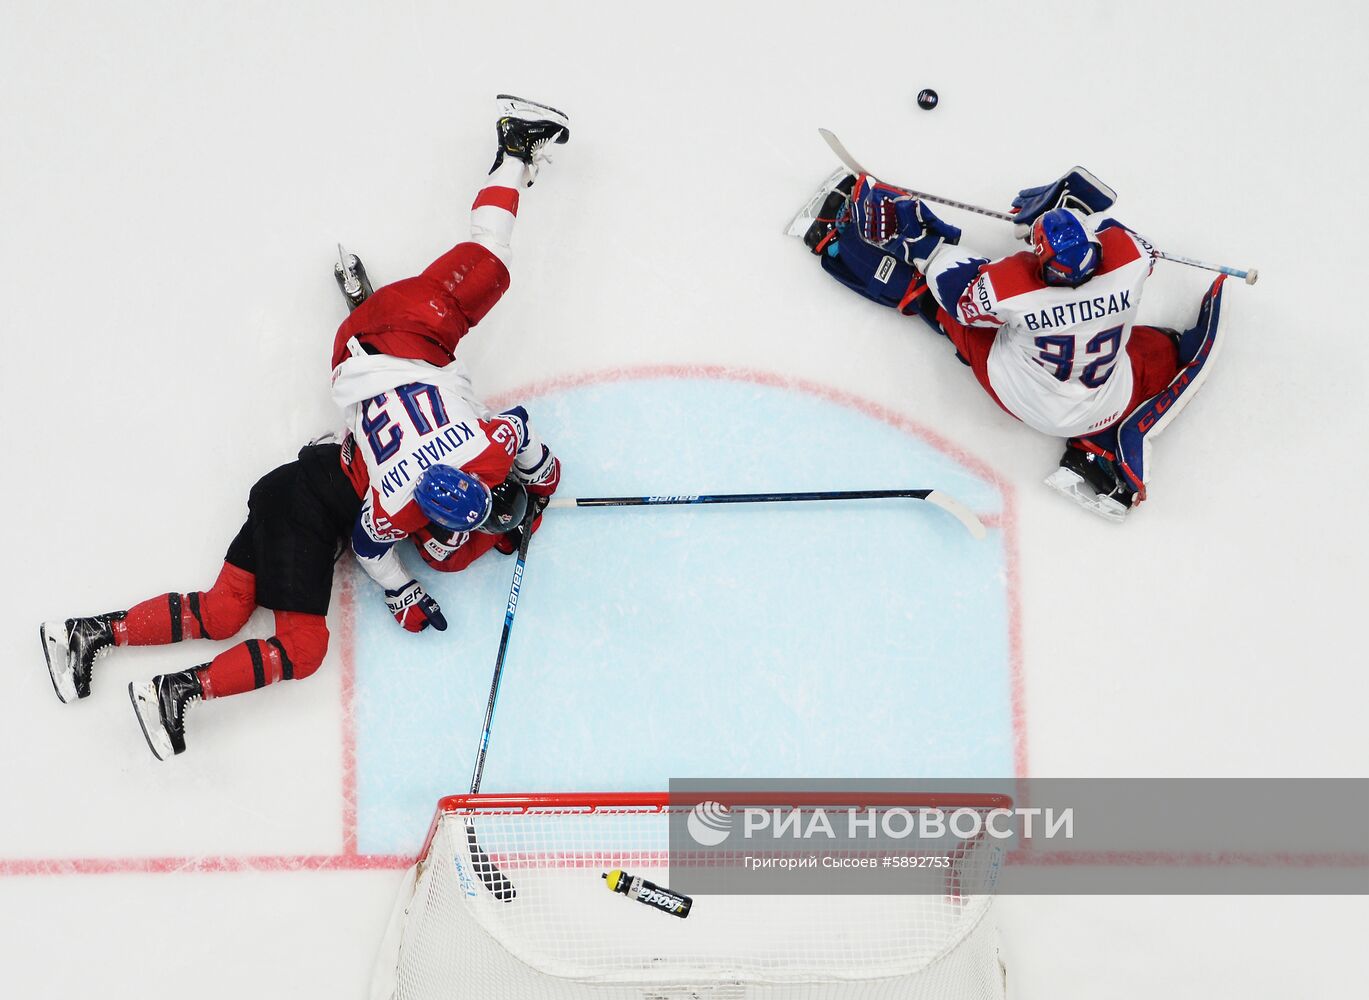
point(946, 502)
point(1249, 276)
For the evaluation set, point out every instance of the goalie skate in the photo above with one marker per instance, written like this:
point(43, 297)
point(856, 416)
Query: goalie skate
point(1076, 479)
point(1072, 486)
point(805, 217)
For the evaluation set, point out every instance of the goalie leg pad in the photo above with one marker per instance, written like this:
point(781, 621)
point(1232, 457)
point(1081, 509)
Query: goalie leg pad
point(878, 276)
point(1197, 348)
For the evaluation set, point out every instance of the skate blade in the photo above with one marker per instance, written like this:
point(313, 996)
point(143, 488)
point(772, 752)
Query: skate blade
point(54, 636)
point(1071, 485)
point(803, 218)
point(144, 698)
point(521, 107)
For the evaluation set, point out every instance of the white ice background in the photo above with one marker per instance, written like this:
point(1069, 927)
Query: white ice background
point(173, 179)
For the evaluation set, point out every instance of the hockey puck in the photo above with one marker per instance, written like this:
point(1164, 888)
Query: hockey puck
point(927, 99)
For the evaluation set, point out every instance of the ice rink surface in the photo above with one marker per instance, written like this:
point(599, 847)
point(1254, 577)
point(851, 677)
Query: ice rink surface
point(173, 183)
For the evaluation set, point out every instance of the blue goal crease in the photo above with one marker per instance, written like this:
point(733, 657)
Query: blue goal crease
point(801, 640)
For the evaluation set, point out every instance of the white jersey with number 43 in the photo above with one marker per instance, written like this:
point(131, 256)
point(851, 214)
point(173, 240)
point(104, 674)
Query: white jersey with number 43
point(406, 416)
point(1059, 359)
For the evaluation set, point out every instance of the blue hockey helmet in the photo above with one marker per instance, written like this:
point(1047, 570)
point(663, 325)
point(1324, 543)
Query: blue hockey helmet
point(1068, 251)
point(508, 507)
point(452, 498)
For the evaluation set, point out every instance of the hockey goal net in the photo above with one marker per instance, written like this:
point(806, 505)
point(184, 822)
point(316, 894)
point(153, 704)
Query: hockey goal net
point(507, 900)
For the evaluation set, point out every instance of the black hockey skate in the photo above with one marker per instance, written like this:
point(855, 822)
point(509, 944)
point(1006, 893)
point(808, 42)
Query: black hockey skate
point(72, 647)
point(352, 282)
point(524, 129)
point(161, 705)
point(1093, 482)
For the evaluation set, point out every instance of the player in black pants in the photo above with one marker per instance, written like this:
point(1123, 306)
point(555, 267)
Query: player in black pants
point(299, 517)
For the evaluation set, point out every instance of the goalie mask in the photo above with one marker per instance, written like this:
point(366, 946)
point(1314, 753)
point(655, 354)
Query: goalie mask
point(1069, 254)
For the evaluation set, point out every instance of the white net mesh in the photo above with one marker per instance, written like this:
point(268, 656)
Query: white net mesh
point(563, 934)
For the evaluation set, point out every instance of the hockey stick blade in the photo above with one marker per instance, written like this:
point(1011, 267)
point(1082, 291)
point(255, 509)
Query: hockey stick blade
point(487, 871)
point(958, 511)
point(843, 154)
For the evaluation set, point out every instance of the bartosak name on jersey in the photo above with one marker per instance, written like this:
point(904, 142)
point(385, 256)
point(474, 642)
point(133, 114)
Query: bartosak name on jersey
point(425, 455)
point(1077, 312)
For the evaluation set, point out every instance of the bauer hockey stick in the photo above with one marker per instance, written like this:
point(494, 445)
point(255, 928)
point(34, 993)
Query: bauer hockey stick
point(1249, 277)
point(495, 880)
point(947, 503)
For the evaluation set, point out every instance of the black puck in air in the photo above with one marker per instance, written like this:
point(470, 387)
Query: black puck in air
point(927, 99)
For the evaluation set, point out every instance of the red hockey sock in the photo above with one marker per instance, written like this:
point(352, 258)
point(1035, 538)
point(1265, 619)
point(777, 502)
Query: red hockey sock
point(213, 614)
point(293, 653)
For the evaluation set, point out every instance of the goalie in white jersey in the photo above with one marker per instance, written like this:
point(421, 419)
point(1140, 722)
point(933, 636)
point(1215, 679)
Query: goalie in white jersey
point(1050, 332)
point(1057, 351)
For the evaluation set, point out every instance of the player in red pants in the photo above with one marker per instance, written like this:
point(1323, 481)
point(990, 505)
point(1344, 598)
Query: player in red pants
point(423, 318)
point(424, 442)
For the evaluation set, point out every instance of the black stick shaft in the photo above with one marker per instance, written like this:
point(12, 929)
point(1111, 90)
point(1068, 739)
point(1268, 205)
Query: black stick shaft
point(947, 503)
point(674, 500)
point(510, 610)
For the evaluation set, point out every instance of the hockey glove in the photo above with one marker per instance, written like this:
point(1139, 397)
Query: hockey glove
point(444, 549)
point(1076, 189)
point(543, 478)
point(414, 609)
